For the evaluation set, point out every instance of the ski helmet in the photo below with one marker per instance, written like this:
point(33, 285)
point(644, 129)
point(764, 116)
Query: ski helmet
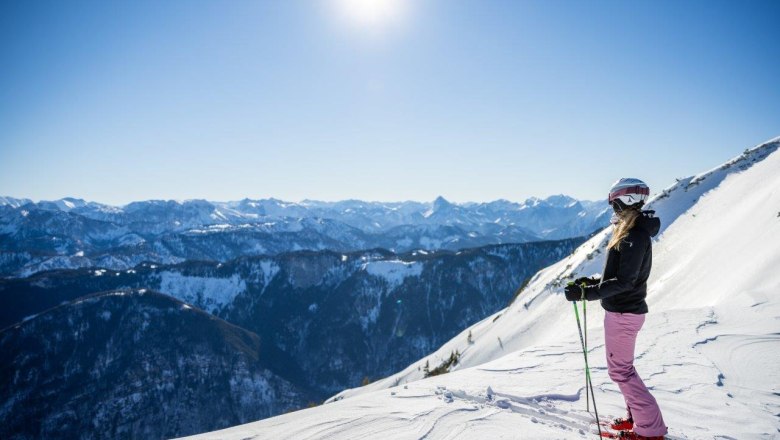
point(628, 193)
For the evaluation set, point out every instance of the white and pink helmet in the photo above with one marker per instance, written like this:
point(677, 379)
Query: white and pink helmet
point(628, 192)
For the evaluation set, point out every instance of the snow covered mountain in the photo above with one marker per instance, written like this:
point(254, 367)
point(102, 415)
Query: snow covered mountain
point(72, 233)
point(709, 349)
point(12, 202)
point(157, 216)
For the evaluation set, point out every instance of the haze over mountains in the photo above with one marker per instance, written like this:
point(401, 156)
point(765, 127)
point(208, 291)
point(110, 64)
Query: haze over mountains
point(72, 233)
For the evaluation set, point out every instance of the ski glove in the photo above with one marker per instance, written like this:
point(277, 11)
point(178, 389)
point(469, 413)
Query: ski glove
point(573, 292)
point(587, 281)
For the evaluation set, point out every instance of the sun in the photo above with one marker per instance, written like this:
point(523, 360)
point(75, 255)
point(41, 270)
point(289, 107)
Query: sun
point(372, 14)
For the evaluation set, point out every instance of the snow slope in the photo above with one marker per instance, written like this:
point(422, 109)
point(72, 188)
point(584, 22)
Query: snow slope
point(709, 350)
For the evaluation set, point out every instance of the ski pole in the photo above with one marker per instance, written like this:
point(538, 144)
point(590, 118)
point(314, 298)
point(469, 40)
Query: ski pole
point(587, 369)
point(585, 324)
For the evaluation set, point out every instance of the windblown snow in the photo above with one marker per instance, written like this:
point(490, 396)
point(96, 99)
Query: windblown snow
point(709, 349)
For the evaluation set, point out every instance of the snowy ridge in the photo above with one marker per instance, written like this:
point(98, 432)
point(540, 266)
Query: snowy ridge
point(12, 202)
point(587, 260)
point(709, 349)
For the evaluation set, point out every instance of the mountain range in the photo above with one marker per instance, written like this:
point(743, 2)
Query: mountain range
point(72, 233)
point(324, 320)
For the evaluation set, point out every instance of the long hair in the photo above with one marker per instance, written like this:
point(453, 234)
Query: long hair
point(626, 220)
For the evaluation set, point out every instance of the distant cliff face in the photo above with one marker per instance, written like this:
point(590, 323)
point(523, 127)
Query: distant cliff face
point(335, 318)
point(135, 364)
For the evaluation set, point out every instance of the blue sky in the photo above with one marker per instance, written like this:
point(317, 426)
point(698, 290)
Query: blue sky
point(472, 100)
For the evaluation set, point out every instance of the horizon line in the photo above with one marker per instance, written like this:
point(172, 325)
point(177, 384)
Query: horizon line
point(298, 202)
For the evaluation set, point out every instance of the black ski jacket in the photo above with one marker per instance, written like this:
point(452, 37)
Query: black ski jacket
point(623, 285)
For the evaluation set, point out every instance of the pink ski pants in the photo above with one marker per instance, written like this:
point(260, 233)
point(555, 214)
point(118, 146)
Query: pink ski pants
point(620, 330)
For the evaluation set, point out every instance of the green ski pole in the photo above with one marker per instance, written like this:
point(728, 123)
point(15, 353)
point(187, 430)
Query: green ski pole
point(588, 381)
point(585, 324)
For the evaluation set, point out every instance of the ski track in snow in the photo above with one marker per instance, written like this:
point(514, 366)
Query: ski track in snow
point(457, 405)
point(519, 405)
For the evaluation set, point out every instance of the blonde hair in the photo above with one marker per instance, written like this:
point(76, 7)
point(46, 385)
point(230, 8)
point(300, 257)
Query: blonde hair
point(626, 220)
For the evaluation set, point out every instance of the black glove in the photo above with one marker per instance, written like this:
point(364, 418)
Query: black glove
point(573, 292)
point(588, 281)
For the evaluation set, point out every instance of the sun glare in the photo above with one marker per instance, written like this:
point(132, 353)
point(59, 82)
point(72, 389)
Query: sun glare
point(372, 14)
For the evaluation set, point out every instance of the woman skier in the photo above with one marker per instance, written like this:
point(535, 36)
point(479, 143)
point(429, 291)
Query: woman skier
point(622, 290)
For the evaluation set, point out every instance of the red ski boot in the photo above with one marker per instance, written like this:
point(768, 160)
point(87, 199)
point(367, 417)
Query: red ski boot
point(621, 424)
point(618, 424)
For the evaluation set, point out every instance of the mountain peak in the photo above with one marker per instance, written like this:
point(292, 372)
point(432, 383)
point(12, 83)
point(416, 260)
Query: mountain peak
point(561, 201)
point(441, 203)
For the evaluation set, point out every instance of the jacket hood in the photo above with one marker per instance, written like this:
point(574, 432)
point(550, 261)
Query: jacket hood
point(649, 222)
